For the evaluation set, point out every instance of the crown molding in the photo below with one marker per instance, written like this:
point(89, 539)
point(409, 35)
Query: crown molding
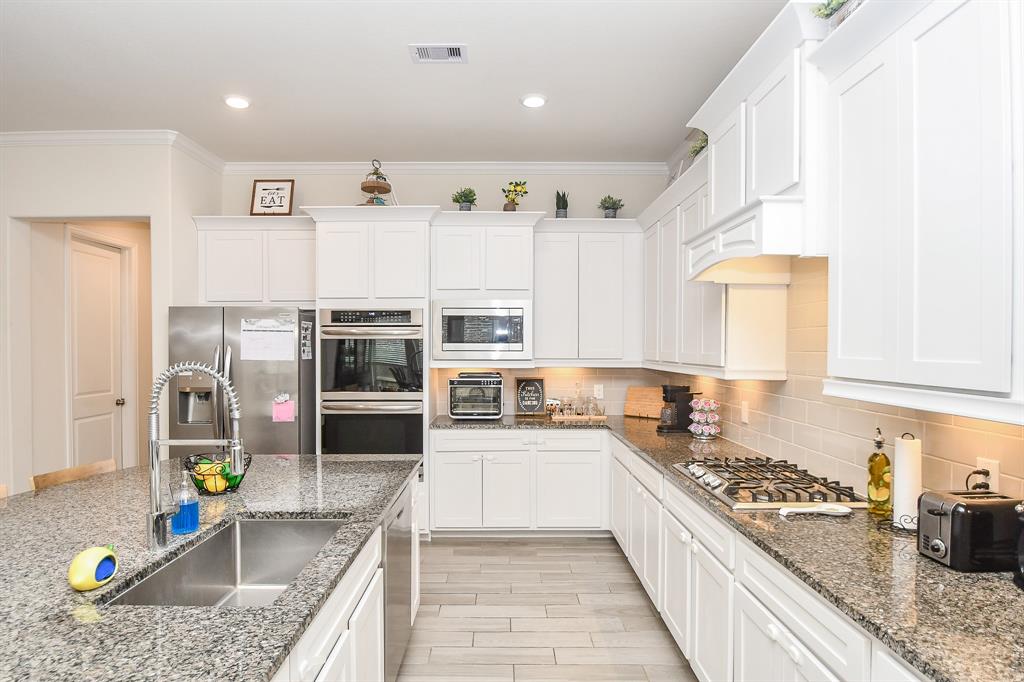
point(71, 138)
point(289, 168)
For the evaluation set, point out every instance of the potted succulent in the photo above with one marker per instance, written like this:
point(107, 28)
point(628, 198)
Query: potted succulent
point(561, 205)
point(610, 205)
point(465, 198)
point(515, 191)
point(699, 146)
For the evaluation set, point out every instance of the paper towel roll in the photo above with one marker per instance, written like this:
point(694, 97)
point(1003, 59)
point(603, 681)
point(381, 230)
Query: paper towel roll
point(906, 481)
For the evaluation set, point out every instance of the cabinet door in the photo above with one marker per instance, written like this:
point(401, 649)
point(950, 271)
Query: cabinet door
point(507, 486)
point(509, 258)
point(569, 490)
point(602, 285)
point(415, 549)
point(691, 318)
point(712, 591)
point(291, 266)
point(619, 504)
point(233, 263)
point(668, 304)
point(650, 574)
point(956, 214)
point(675, 583)
point(338, 666)
point(400, 260)
point(691, 213)
point(343, 260)
point(800, 665)
point(773, 131)
point(758, 654)
point(366, 630)
point(712, 329)
point(457, 257)
point(636, 525)
point(886, 668)
point(457, 494)
point(651, 294)
point(862, 186)
point(556, 311)
point(726, 159)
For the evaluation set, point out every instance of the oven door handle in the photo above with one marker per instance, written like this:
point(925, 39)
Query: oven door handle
point(363, 332)
point(373, 408)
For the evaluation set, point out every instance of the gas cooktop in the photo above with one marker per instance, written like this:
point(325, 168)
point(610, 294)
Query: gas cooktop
point(764, 483)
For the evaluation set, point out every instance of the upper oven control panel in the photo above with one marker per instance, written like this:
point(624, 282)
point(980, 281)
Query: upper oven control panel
point(372, 317)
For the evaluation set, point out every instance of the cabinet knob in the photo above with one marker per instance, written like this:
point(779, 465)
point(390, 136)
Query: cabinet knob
point(639, 490)
point(490, 458)
point(794, 653)
point(683, 538)
point(476, 458)
point(694, 547)
point(773, 631)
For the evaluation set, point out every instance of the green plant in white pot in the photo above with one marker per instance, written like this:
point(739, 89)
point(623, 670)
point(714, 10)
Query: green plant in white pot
point(465, 198)
point(610, 205)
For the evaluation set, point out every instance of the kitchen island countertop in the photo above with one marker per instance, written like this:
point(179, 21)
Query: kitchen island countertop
point(50, 632)
point(951, 626)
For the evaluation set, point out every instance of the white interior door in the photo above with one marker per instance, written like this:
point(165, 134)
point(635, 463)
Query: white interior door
point(95, 281)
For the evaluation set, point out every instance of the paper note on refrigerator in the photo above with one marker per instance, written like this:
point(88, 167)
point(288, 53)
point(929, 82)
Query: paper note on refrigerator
point(268, 339)
point(284, 411)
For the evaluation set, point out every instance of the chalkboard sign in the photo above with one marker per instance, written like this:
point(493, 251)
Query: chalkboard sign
point(530, 396)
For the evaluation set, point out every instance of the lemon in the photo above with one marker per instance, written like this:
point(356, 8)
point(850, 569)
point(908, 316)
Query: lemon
point(215, 483)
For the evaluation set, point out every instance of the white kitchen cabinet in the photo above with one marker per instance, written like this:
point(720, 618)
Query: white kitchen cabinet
point(726, 166)
point(507, 484)
point(773, 130)
point(366, 631)
point(458, 489)
point(693, 212)
point(232, 264)
point(399, 260)
point(712, 590)
point(569, 489)
point(601, 296)
point(508, 259)
point(415, 540)
point(291, 266)
point(619, 505)
point(652, 293)
point(556, 301)
point(887, 668)
point(676, 571)
point(343, 260)
point(645, 537)
point(457, 257)
point(339, 664)
point(668, 301)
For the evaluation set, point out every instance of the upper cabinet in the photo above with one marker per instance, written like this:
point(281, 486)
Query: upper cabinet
point(483, 254)
point(726, 161)
point(925, 301)
point(256, 259)
point(588, 296)
point(371, 253)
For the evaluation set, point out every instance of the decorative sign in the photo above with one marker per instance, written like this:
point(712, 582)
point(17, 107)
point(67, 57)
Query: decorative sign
point(530, 396)
point(272, 197)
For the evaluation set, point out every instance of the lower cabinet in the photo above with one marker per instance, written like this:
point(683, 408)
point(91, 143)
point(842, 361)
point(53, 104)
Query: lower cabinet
point(712, 589)
point(458, 489)
point(569, 490)
point(415, 597)
point(338, 667)
point(366, 631)
point(644, 537)
point(677, 573)
point(506, 490)
point(618, 517)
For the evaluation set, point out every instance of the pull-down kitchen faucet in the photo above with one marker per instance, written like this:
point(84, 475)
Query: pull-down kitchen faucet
point(157, 517)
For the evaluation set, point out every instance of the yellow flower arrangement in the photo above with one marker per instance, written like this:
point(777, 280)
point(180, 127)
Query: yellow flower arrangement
point(515, 191)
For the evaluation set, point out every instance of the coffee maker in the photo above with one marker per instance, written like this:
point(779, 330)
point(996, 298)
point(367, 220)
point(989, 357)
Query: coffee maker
point(675, 416)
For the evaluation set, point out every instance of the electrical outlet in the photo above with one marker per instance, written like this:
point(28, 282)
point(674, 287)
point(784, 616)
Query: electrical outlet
point(745, 412)
point(599, 391)
point(993, 470)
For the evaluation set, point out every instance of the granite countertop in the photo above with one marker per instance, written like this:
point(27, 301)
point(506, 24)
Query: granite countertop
point(49, 631)
point(951, 626)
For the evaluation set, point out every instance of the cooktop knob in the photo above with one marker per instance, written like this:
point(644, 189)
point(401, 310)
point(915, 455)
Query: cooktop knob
point(937, 547)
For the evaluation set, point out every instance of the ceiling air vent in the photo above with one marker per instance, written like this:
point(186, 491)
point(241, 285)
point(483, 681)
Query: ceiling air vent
point(438, 54)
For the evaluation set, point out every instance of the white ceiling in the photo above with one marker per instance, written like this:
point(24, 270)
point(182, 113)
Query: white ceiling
point(333, 80)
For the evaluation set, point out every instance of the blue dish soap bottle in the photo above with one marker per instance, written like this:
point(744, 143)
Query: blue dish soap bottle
point(186, 520)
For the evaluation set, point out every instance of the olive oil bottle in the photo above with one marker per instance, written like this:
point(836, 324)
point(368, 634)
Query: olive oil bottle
point(879, 479)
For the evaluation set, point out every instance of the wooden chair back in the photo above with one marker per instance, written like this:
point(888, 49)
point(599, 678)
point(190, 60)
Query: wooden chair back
point(3, 491)
point(43, 481)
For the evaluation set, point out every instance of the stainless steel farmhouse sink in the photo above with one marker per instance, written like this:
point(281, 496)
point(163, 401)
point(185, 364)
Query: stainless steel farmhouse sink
point(247, 563)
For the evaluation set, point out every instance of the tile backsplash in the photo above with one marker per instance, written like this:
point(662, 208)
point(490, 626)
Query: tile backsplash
point(833, 436)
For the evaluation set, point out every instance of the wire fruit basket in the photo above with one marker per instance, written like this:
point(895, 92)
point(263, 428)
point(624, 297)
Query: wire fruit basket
point(211, 472)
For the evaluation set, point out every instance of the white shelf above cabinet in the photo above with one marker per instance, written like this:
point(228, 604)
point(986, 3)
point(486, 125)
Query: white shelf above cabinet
point(253, 222)
point(589, 225)
point(488, 218)
point(370, 214)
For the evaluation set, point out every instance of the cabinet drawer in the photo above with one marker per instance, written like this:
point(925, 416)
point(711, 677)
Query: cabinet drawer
point(716, 536)
point(576, 441)
point(317, 642)
point(650, 477)
point(620, 451)
point(483, 440)
point(839, 644)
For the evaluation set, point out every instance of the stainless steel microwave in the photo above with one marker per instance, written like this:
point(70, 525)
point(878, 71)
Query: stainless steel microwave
point(482, 330)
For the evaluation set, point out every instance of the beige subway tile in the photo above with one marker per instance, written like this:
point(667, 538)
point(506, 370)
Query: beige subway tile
point(936, 474)
point(807, 436)
point(857, 422)
point(807, 339)
point(1012, 430)
point(806, 388)
point(782, 429)
point(794, 409)
point(812, 314)
point(770, 446)
point(955, 444)
point(894, 427)
point(1009, 485)
point(878, 408)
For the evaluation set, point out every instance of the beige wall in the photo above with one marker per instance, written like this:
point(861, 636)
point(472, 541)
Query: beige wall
point(832, 436)
point(436, 189)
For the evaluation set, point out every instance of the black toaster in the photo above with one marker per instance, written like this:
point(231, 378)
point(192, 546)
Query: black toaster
point(969, 530)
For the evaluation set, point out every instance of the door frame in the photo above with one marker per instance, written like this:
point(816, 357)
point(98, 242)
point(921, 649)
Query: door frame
point(130, 422)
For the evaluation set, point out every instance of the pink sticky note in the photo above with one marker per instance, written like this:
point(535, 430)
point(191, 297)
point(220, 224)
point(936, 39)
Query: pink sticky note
point(284, 412)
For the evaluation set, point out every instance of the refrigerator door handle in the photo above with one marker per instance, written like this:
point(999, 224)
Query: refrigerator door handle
point(227, 375)
point(218, 432)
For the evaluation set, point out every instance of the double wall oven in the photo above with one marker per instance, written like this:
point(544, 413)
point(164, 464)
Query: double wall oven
point(371, 381)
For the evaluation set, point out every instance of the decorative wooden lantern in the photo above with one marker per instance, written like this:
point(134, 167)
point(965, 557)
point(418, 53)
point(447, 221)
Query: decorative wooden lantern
point(376, 185)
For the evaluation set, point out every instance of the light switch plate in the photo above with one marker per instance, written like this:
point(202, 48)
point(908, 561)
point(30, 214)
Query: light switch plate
point(599, 391)
point(745, 412)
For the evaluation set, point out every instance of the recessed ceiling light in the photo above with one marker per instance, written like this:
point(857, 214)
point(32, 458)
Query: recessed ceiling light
point(236, 102)
point(533, 101)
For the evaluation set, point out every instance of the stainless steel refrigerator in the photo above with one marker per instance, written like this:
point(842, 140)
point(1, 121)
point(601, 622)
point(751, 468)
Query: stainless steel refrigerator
point(269, 355)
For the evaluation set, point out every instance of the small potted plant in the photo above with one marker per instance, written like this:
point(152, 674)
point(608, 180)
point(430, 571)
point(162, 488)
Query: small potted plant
point(465, 198)
point(561, 205)
point(610, 205)
point(699, 146)
point(515, 191)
